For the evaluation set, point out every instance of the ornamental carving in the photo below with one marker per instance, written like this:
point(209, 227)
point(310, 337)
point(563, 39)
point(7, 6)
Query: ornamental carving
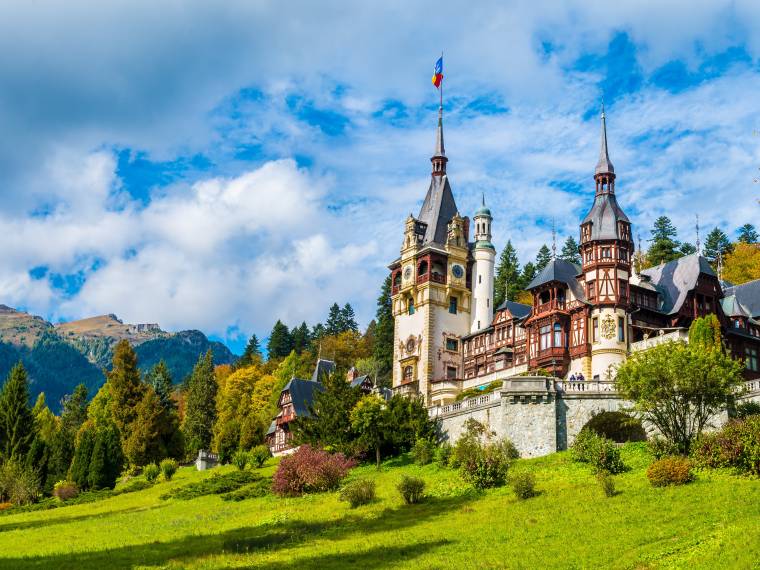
point(608, 327)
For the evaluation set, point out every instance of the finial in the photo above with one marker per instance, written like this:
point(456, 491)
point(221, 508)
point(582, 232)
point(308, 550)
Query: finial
point(639, 253)
point(483, 201)
point(697, 216)
point(720, 265)
point(604, 165)
point(554, 241)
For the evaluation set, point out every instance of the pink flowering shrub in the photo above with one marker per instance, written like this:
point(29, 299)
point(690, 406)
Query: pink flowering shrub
point(310, 470)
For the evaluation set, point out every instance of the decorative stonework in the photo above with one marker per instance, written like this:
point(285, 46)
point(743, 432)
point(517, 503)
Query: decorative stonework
point(608, 327)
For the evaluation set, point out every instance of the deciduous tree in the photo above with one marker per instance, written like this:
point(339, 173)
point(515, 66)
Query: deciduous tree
point(742, 264)
point(369, 419)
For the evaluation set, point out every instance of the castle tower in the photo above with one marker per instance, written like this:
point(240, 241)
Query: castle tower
point(483, 270)
point(431, 291)
point(606, 251)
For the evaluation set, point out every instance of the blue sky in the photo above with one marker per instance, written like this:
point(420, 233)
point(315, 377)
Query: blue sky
point(219, 167)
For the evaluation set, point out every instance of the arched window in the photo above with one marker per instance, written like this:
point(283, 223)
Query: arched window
point(423, 268)
point(397, 280)
point(410, 306)
point(557, 335)
point(408, 373)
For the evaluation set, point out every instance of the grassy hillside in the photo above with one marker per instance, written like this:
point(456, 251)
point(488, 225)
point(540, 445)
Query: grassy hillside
point(712, 523)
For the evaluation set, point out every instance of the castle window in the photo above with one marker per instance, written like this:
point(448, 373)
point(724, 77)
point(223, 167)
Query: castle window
point(591, 290)
point(595, 329)
point(480, 278)
point(621, 329)
point(408, 373)
point(751, 359)
point(544, 338)
point(453, 305)
point(397, 280)
point(410, 306)
point(622, 288)
point(452, 344)
point(451, 372)
point(623, 254)
point(606, 254)
point(557, 335)
point(423, 268)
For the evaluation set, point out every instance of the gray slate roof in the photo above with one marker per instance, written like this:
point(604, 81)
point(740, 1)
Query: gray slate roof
point(675, 279)
point(437, 210)
point(517, 310)
point(562, 271)
point(748, 295)
point(323, 368)
point(604, 217)
point(356, 382)
point(302, 393)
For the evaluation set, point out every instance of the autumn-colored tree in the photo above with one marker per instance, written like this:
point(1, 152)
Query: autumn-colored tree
point(47, 422)
point(369, 419)
point(234, 410)
point(345, 349)
point(742, 264)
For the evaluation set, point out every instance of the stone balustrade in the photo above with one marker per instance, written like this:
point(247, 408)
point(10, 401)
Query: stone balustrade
point(590, 386)
point(463, 405)
point(652, 341)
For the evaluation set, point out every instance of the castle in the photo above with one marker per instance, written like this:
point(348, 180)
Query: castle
point(584, 320)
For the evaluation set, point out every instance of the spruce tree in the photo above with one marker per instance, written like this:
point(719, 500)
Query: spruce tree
point(528, 274)
point(200, 405)
point(301, 338)
point(106, 461)
point(16, 418)
point(382, 349)
point(146, 440)
point(334, 322)
point(543, 258)
point(716, 245)
point(665, 246)
point(318, 332)
point(251, 354)
point(748, 234)
point(80, 464)
point(686, 249)
point(62, 448)
point(570, 251)
point(160, 379)
point(507, 282)
point(126, 387)
point(280, 341)
point(348, 319)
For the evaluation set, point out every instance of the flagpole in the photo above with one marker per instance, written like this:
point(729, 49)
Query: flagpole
point(442, 78)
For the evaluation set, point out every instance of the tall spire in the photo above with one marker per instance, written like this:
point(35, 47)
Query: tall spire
point(604, 166)
point(439, 159)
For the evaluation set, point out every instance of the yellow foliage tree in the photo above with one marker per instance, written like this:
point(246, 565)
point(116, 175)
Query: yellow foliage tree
point(742, 264)
point(345, 349)
point(233, 409)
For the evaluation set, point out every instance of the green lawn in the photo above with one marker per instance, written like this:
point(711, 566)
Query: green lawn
point(712, 523)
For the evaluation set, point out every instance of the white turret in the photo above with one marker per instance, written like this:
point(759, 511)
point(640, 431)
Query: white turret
point(483, 270)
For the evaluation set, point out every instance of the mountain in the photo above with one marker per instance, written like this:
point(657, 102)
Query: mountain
point(58, 357)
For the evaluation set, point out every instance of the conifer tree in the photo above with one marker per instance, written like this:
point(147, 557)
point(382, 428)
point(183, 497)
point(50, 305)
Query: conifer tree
point(80, 464)
point(665, 246)
point(570, 251)
point(107, 460)
point(507, 282)
point(160, 379)
point(686, 249)
point(200, 405)
point(748, 234)
point(153, 436)
point(317, 332)
point(348, 319)
point(716, 244)
point(543, 258)
point(334, 322)
point(251, 354)
point(280, 341)
point(528, 274)
point(301, 338)
point(62, 448)
point(382, 349)
point(17, 426)
point(126, 387)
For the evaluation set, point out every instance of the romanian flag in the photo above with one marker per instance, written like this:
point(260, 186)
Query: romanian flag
point(438, 72)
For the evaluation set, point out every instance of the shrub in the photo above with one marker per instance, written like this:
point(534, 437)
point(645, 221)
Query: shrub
point(18, 484)
point(411, 489)
point(660, 447)
point(508, 449)
point(443, 454)
point(259, 488)
point(523, 484)
point(168, 468)
point(217, 484)
point(487, 467)
point(617, 426)
point(65, 490)
point(670, 471)
point(259, 455)
point(606, 482)
point(746, 409)
point(423, 451)
point(240, 460)
point(151, 472)
point(600, 452)
point(736, 445)
point(359, 492)
point(310, 470)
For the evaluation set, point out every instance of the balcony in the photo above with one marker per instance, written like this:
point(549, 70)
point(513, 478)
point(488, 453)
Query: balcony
point(554, 305)
point(654, 340)
point(285, 419)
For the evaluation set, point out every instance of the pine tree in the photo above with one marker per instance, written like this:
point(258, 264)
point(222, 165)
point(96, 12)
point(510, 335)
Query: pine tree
point(200, 405)
point(16, 420)
point(570, 251)
point(543, 258)
point(126, 387)
point(280, 341)
point(348, 319)
point(664, 246)
point(251, 354)
point(151, 431)
point(686, 249)
point(80, 464)
point(334, 320)
point(160, 379)
point(317, 332)
point(507, 282)
point(63, 445)
point(106, 460)
point(748, 234)
point(382, 349)
point(716, 244)
point(301, 338)
point(528, 274)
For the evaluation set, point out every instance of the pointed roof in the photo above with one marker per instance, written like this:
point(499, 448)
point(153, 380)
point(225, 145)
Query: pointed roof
point(437, 210)
point(604, 166)
point(676, 278)
point(323, 368)
point(562, 271)
point(517, 310)
point(483, 210)
point(748, 295)
point(604, 216)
